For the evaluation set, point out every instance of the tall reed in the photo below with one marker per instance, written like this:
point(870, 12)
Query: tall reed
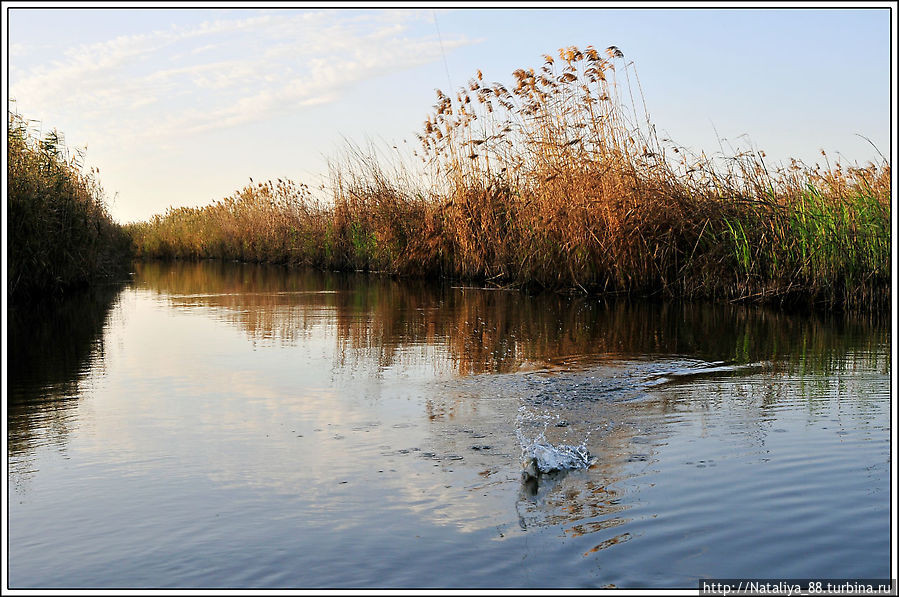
point(60, 233)
point(560, 181)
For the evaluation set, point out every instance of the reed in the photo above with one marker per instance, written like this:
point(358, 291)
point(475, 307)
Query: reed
point(560, 181)
point(60, 233)
point(273, 222)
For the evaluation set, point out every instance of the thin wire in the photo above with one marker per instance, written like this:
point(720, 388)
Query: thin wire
point(440, 39)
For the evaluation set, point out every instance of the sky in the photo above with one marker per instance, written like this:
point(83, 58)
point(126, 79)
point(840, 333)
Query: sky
point(182, 106)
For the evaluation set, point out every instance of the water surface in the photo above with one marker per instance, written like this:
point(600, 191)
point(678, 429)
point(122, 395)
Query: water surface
point(223, 425)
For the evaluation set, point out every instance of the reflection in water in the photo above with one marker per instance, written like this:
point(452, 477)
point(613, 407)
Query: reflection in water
point(256, 426)
point(384, 320)
point(53, 347)
point(584, 361)
point(570, 499)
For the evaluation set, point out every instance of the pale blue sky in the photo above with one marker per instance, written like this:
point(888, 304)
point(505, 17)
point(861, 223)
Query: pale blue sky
point(182, 106)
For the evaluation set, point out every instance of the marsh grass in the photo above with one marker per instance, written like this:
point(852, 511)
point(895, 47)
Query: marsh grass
point(60, 234)
point(273, 222)
point(560, 181)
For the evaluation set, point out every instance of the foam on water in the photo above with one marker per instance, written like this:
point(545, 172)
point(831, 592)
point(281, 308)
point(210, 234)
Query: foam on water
point(555, 405)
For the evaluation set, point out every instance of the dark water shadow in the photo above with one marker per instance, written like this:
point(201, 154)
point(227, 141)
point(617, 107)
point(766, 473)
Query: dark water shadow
point(53, 346)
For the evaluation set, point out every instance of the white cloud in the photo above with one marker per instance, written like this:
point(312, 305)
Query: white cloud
point(225, 72)
point(205, 48)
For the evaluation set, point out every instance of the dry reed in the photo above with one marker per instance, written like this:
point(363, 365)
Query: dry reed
point(560, 181)
point(60, 233)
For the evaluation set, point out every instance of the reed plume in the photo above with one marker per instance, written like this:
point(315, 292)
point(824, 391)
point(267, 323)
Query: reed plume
point(558, 180)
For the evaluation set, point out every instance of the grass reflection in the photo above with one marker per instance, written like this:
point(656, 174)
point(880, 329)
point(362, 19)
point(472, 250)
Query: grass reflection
point(53, 346)
point(381, 319)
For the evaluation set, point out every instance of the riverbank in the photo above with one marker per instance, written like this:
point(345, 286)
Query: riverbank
point(558, 182)
point(60, 233)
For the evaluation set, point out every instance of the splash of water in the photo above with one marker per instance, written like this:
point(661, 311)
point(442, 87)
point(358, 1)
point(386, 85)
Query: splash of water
point(542, 458)
point(539, 456)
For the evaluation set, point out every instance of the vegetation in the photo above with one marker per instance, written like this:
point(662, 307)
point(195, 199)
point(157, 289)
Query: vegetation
point(561, 182)
point(60, 234)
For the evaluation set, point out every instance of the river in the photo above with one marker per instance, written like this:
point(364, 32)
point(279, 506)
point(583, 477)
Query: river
point(218, 425)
